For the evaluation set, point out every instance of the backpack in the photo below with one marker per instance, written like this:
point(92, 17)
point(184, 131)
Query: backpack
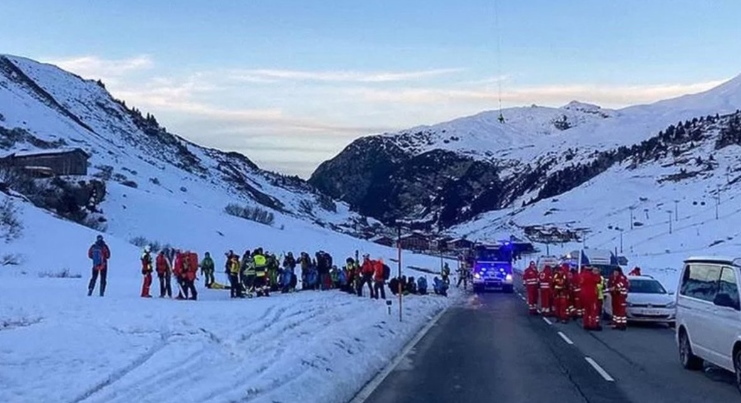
point(386, 272)
point(97, 253)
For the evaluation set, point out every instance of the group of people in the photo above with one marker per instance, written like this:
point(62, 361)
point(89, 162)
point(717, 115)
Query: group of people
point(567, 294)
point(258, 273)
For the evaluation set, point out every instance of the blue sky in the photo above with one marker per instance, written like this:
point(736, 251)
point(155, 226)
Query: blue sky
point(289, 83)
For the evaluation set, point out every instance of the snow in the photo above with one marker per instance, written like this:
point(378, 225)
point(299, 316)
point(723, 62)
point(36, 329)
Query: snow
point(58, 344)
point(308, 346)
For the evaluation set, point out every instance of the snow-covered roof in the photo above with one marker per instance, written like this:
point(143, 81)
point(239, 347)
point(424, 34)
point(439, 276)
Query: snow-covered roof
point(719, 259)
point(47, 152)
point(380, 237)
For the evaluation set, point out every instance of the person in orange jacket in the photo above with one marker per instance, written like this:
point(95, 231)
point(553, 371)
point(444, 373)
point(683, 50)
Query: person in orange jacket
point(532, 282)
point(545, 278)
point(619, 292)
point(590, 280)
point(561, 291)
point(147, 270)
point(162, 266)
point(577, 310)
point(366, 276)
point(379, 278)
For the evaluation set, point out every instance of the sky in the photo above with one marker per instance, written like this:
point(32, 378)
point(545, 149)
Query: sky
point(290, 83)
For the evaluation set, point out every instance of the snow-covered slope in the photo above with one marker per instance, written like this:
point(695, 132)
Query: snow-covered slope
point(57, 344)
point(448, 173)
point(48, 108)
point(681, 194)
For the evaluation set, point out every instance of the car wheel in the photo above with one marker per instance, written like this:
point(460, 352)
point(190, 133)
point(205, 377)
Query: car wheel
point(688, 360)
point(508, 289)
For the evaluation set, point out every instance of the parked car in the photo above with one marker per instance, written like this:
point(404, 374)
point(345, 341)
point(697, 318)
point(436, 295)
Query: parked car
point(648, 301)
point(709, 314)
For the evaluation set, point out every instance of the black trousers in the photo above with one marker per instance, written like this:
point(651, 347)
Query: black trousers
point(366, 278)
point(94, 279)
point(379, 286)
point(190, 287)
point(234, 287)
point(165, 287)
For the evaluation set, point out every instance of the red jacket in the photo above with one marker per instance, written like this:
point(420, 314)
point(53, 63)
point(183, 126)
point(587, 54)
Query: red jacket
point(367, 267)
point(545, 277)
point(378, 270)
point(575, 282)
point(589, 282)
point(106, 255)
point(530, 277)
point(162, 265)
point(192, 266)
point(178, 266)
point(619, 285)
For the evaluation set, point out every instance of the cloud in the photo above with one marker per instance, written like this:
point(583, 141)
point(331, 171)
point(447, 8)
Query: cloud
point(97, 67)
point(268, 75)
point(605, 95)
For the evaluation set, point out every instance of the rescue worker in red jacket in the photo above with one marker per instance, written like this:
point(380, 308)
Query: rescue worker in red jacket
point(590, 280)
point(532, 282)
point(162, 266)
point(619, 292)
point(561, 291)
point(366, 276)
point(575, 302)
point(379, 279)
point(545, 278)
point(147, 270)
point(635, 272)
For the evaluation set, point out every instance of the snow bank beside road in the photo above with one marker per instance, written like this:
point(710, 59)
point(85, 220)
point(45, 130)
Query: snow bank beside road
point(310, 346)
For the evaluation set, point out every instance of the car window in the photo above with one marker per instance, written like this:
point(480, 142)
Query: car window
point(646, 287)
point(700, 280)
point(728, 283)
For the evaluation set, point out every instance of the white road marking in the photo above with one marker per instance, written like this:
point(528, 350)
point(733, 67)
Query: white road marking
point(547, 321)
point(371, 386)
point(565, 338)
point(599, 369)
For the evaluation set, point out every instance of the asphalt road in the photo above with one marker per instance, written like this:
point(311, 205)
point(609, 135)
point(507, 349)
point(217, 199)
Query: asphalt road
point(491, 350)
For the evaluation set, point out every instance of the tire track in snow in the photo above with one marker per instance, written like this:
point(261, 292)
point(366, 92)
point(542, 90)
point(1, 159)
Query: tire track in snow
point(117, 375)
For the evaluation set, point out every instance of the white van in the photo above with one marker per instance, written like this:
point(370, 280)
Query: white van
point(708, 323)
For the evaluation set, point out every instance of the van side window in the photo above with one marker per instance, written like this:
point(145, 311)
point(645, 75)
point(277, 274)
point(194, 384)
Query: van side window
point(700, 280)
point(728, 283)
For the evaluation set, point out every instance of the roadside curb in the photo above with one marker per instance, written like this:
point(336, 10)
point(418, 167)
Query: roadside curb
point(378, 379)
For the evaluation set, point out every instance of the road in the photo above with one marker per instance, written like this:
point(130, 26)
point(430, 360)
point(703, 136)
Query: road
point(489, 349)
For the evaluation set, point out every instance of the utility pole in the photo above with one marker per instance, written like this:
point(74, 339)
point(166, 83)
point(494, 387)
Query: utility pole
point(631, 215)
point(676, 210)
point(398, 248)
point(717, 201)
point(670, 220)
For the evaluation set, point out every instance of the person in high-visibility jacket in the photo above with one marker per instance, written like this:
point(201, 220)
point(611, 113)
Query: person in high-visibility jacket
point(590, 280)
point(601, 286)
point(234, 287)
point(261, 273)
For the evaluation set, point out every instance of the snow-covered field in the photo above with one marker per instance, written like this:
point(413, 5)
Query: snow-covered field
point(57, 344)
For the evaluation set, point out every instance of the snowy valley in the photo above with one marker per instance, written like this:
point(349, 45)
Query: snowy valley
point(144, 185)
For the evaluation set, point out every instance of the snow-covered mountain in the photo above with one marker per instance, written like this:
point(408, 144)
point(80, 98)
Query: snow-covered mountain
point(450, 173)
point(43, 108)
point(148, 184)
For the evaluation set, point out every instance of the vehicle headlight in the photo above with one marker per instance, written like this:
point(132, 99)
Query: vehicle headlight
point(508, 277)
point(671, 305)
point(477, 275)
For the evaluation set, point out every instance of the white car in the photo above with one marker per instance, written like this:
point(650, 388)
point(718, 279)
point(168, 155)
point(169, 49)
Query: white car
point(648, 301)
point(709, 314)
